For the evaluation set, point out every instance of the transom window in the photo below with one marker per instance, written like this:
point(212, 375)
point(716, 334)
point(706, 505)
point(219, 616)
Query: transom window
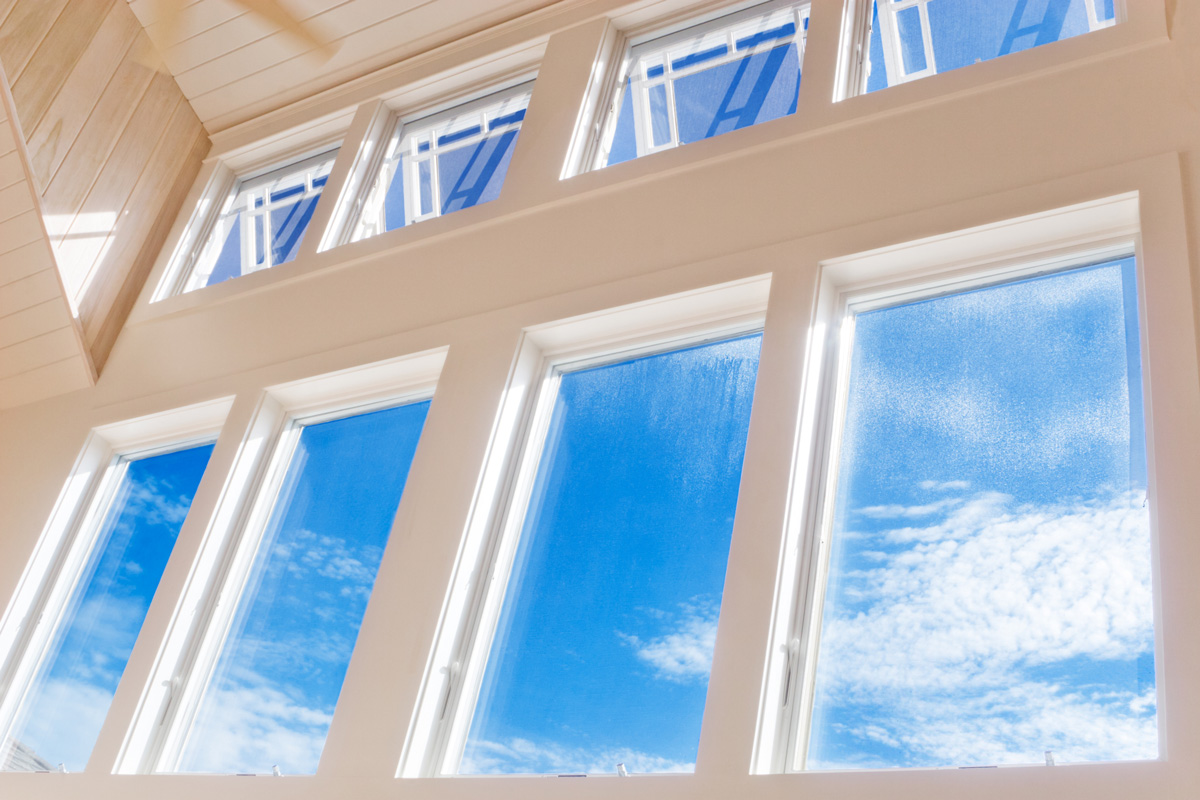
point(263, 222)
point(911, 39)
point(445, 162)
point(739, 70)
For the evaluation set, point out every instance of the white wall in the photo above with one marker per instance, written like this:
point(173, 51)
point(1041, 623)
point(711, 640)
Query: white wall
point(1112, 112)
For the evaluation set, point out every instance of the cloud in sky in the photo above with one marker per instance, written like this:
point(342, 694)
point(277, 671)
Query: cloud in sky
point(522, 756)
point(684, 653)
point(996, 633)
point(945, 486)
point(63, 726)
point(251, 726)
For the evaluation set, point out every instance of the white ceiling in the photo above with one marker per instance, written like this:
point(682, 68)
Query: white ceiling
point(234, 65)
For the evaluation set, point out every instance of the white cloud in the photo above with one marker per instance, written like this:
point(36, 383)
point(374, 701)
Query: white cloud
point(522, 756)
point(941, 647)
point(945, 486)
point(63, 722)
point(252, 727)
point(684, 653)
point(894, 511)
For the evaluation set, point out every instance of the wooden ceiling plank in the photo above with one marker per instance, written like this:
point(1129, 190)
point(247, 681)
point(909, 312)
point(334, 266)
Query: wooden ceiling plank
point(49, 141)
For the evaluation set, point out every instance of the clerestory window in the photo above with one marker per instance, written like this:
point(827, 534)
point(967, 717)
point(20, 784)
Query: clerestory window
point(445, 162)
point(708, 79)
point(897, 41)
point(262, 223)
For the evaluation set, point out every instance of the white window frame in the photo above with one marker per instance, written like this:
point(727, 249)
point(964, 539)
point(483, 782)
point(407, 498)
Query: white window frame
point(255, 216)
point(72, 534)
point(454, 675)
point(425, 128)
point(852, 72)
point(202, 620)
point(654, 50)
point(1064, 239)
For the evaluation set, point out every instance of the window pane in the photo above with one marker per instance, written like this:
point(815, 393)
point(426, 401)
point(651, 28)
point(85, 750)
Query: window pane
point(64, 708)
point(989, 593)
point(603, 648)
point(277, 680)
point(716, 89)
point(964, 32)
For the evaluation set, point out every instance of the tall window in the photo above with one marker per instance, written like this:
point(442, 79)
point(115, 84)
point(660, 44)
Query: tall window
point(597, 659)
point(989, 584)
point(445, 162)
point(910, 39)
point(709, 79)
point(272, 669)
point(263, 222)
point(56, 714)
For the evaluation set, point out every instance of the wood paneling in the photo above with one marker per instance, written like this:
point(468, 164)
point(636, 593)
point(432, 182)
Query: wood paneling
point(96, 152)
point(234, 66)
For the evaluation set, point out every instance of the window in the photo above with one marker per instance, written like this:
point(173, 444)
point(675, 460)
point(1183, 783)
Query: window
point(263, 222)
point(445, 162)
point(910, 39)
point(595, 659)
point(60, 690)
point(736, 71)
point(988, 595)
point(270, 669)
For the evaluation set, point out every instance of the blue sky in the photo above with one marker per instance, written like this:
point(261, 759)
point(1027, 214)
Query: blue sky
point(990, 594)
point(603, 649)
point(279, 675)
point(65, 708)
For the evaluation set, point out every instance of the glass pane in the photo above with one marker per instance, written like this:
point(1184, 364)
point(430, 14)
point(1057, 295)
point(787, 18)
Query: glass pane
point(604, 644)
point(64, 708)
point(425, 185)
point(474, 174)
point(989, 593)
point(738, 94)
point(912, 41)
point(288, 225)
point(229, 259)
point(277, 680)
point(964, 32)
point(660, 119)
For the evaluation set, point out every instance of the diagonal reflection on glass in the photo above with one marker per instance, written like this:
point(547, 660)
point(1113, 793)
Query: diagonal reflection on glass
point(965, 32)
point(65, 706)
point(277, 680)
point(989, 593)
point(604, 644)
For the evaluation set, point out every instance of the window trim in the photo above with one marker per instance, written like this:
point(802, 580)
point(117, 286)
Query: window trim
point(72, 534)
point(1054, 241)
point(454, 674)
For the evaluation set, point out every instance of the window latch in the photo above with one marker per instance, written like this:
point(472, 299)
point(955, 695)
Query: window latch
point(451, 673)
point(789, 649)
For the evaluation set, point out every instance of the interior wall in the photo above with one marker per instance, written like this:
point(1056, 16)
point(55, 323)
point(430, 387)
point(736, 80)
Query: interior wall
point(1112, 112)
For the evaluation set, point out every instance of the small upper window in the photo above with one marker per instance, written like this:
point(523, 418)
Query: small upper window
point(910, 39)
point(729, 73)
point(445, 162)
point(263, 222)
